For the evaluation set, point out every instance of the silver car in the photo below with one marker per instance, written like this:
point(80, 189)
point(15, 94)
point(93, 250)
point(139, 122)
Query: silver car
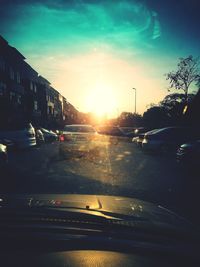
point(23, 136)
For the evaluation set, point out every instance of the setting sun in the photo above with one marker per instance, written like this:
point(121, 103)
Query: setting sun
point(101, 101)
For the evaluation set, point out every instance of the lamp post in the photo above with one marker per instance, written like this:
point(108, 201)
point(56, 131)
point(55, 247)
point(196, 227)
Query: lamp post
point(135, 99)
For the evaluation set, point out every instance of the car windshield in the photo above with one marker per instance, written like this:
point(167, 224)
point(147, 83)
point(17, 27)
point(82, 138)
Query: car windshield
point(114, 87)
point(79, 128)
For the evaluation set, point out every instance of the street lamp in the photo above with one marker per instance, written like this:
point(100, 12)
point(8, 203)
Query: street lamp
point(135, 99)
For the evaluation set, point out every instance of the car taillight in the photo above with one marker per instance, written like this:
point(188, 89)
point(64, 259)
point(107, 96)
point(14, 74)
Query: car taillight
point(62, 138)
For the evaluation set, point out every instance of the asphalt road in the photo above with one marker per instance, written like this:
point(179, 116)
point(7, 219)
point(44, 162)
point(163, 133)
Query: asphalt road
point(108, 169)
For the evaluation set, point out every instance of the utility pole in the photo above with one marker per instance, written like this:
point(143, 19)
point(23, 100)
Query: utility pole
point(135, 98)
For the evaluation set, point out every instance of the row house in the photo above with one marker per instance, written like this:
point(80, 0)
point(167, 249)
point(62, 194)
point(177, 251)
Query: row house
point(51, 103)
point(70, 113)
point(12, 90)
point(27, 96)
point(54, 108)
point(32, 94)
point(18, 86)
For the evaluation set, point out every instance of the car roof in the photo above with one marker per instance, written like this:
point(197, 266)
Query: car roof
point(160, 130)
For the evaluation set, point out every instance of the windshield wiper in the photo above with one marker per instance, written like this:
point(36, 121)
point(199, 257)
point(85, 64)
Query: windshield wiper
point(92, 217)
point(67, 213)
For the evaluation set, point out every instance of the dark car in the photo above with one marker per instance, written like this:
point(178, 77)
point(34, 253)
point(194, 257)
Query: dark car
point(115, 134)
point(128, 131)
point(39, 137)
point(169, 138)
point(49, 136)
point(130, 134)
point(189, 154)
point(141, 130)
point(140, 137)
point(111, 130)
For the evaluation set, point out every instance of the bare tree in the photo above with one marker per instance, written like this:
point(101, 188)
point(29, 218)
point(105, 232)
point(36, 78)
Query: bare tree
point(188, 72)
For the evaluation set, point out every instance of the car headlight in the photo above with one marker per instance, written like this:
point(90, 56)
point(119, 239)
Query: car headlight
point(3, 148)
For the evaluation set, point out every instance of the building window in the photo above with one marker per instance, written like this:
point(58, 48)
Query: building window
point(12, 96)
point(31, 85)
point(35, 88)
point(18, 77)
point(48, 97)
point(12, 74)
point(35, 105)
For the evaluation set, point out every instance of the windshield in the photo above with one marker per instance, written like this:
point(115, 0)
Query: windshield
point(114, 70)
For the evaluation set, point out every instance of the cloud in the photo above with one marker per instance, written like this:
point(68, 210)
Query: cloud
point(74, 24)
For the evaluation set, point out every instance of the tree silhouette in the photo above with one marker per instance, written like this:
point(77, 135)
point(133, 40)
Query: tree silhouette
point(188, 72)
point(168, 112)
point(156, 117)
point(129, 119)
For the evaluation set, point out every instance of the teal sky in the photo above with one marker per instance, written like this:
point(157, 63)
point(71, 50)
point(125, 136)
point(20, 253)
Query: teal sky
point(94, 52)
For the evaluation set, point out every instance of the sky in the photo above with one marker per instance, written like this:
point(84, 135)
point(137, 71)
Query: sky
point(95, 52)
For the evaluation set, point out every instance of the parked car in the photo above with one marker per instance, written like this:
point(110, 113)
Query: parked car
point(3, 155)
point(169, 138)
point(113, 134)
point(189, 153)
point(78, 132)
point(130, 134)
point(135, 139)
point(77, 140)
point(39, 137)
point(128, 131)
point(55, 134)
point(141, 130)
point(49, 136)
point(139, 139)
point(111, 130)
point(8, 143)
point(21, 134)
point(58, 132)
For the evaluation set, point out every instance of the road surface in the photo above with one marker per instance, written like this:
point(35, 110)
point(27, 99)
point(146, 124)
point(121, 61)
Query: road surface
point(113, 169)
